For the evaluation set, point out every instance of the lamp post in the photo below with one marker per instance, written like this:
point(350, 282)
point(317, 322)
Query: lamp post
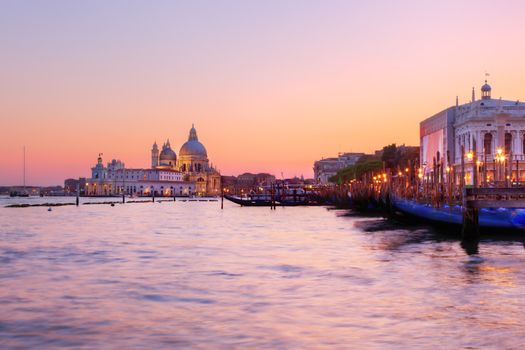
point(499, 159)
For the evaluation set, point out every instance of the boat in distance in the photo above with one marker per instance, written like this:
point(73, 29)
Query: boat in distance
point(250, 201)
point(265, 201)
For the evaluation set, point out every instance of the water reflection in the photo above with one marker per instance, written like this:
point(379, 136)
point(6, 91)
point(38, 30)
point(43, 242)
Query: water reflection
point(188, 275)
point(471, 246)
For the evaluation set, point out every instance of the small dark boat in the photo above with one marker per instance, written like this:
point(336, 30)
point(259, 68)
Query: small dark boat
point(18, 194)
point(249, 202)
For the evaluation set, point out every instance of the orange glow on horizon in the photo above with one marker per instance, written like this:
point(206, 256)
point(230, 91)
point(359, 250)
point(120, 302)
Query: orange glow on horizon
point(272, 97)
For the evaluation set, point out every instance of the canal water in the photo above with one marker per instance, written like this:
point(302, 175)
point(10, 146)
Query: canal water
point(188, 275)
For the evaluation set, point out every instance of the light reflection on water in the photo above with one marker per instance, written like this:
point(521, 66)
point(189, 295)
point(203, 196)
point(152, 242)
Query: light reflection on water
point(188, 275)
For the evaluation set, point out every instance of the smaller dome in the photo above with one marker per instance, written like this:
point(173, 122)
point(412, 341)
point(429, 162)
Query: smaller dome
point(486, 87)
point(167, 154)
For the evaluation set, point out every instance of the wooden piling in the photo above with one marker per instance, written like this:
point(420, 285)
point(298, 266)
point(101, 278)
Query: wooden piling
point(517, 172)
point(462, 179)
point(474, 165)
point(509, 176)
point(470, 226)
point(78, 195)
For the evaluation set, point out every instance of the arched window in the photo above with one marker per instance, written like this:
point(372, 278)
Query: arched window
point(508, 142)
point(487, 143)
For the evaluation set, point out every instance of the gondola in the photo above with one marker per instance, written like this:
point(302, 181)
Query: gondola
point(497, 218)
point(249, 202)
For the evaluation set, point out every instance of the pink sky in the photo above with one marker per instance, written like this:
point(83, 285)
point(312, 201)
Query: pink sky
point(270, 86)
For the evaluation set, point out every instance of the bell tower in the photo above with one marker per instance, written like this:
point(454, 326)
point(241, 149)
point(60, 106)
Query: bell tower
point(154, 155)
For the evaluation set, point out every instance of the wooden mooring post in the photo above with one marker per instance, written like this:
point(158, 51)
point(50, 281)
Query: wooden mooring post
point(470, 226)
point(77, 202)
point(485, 197)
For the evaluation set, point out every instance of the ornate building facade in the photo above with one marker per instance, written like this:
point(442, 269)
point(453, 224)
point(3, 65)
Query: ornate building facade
point(491, 129)
point(169, 175)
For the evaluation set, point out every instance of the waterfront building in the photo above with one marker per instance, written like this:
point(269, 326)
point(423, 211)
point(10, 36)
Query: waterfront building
point(490, 129)
point(246, 182)
point(325, 168)
point(71, 186)
point(169, 175)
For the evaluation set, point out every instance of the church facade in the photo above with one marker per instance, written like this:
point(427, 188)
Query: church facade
point(186, 175)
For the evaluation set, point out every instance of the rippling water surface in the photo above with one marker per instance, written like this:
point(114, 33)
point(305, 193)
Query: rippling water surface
point(188, 275)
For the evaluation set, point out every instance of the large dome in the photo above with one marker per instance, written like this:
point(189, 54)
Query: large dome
point(193, 147)
point(486, 87)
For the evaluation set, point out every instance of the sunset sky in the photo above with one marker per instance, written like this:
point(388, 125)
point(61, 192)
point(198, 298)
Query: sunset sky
point(270, 85)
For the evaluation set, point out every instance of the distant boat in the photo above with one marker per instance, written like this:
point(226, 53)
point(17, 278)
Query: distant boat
point(22, 193)
point(263, 201)
point(18, 194)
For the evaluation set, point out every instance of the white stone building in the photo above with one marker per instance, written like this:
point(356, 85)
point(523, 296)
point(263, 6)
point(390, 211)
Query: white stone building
point(487, 127)
point(325, 168)
point(190, 174)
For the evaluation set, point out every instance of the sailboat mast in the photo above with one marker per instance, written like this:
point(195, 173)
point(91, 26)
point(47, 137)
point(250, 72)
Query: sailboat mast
point(24, 168)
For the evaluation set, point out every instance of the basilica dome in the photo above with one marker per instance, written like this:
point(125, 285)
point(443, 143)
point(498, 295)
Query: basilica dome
point(193, 147)
point(167, 154)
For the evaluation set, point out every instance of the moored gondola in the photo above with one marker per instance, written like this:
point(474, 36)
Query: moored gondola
point(249, 202)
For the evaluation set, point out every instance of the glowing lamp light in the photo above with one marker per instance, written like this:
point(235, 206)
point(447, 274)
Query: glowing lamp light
point(470, 155)
point(406, 170)
point(400, 173)
point(448, 169)
point(499, 151)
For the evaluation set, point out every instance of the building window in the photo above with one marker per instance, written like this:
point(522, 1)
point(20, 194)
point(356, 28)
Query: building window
point(487, 143)
point(508, 142)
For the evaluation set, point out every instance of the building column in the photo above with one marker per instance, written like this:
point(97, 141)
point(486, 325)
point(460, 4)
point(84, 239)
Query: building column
point(479, 144)
point(494, 142)
point(515, 142)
